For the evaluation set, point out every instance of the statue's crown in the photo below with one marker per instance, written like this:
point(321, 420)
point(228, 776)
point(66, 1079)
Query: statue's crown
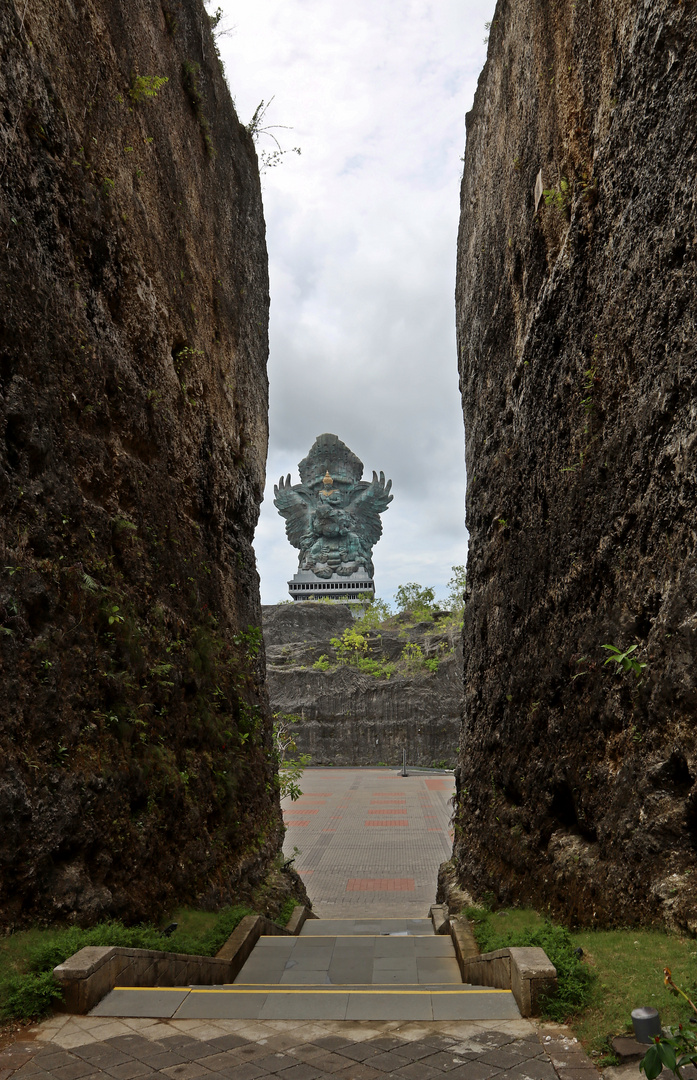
point(329, 454)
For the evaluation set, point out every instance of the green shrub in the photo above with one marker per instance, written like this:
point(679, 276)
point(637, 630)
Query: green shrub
point(574, 979)
point(379, 668)
point(27, 986)
point(28, 995)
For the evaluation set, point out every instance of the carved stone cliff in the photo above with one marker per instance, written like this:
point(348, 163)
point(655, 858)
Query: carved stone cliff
point(134, 723)
point(576, 321)
point(350, 716)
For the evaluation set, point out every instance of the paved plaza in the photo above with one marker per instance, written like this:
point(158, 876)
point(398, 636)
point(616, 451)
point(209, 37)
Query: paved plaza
point(370, 840)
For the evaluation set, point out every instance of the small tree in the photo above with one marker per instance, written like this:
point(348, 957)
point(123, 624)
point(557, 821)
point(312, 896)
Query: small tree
point(456, 589)
point(375, 613)
point(413, 598)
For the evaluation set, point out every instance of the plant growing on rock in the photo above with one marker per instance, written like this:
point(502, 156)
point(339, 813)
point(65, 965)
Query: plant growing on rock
point(290, 769)
point(146, 86)
point(414, 659)
point(351, 645)
point(559, 198)
point(624, 660)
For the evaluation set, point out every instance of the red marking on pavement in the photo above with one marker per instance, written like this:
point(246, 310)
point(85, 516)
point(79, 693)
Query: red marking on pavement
point(381, 823)
point(306, 873)
point(304, 810)
point(291, 821)
point(388, 810)
point(436, 783)
point(317, 795)
point(389, 799)
point(404, 884)
point(328, 830)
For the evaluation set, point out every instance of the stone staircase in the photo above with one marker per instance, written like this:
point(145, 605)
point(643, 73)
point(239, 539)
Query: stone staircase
point(335, 969)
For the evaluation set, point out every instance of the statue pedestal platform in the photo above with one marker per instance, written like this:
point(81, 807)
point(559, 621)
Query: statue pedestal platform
point(307, 586)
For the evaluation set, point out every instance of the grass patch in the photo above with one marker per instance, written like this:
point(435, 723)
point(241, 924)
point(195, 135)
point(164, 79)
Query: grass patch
point(27, 959)
point(629, 965)
point(619, 971)
point(286, 911)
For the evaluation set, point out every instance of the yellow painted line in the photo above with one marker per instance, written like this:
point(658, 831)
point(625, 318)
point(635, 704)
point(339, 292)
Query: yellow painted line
point(349, 990)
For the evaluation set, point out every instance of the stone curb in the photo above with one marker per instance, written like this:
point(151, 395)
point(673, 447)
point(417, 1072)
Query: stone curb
point(439, 918)
point(527, 972)
point(87, 975)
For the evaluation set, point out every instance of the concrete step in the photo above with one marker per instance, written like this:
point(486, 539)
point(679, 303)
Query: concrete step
point(333, 959)
point(368, 927)
point(335, 969)
point(307, 1002)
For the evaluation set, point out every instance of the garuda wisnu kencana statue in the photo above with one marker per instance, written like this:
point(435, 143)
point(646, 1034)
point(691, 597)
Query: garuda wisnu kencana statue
point(332, 515)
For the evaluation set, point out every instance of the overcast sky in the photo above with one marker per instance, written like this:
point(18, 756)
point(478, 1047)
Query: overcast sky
point(361, 232)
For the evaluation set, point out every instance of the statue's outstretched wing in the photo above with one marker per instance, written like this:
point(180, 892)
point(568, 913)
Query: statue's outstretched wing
point(295, 505)
point(368, 503)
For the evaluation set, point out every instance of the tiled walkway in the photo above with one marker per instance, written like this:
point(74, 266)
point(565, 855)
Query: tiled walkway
point(370, 841)
point(88, 1048)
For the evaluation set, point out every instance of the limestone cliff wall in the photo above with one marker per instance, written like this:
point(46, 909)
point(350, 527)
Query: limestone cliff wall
point(133, 427)
point(576, 325)
point(349, 717)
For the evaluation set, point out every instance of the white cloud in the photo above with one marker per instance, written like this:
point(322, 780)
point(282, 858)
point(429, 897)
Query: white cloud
point(361, 231)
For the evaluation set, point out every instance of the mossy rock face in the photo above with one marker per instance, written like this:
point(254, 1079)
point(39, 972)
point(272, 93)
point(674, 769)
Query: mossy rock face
point(576, 314)
point(135, 768)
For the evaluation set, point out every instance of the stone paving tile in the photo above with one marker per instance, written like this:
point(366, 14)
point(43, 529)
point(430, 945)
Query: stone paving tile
point(418, 1071)
point(504, 1057)
point(471, 1070)
point(189, 1070)
point(582, 1073)
point(76, 1070)
point(538, 1069)
point(301, 1072)
point(130, 1070)
point(275, 1062)
point(246, 1071)
point(388, 1062)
